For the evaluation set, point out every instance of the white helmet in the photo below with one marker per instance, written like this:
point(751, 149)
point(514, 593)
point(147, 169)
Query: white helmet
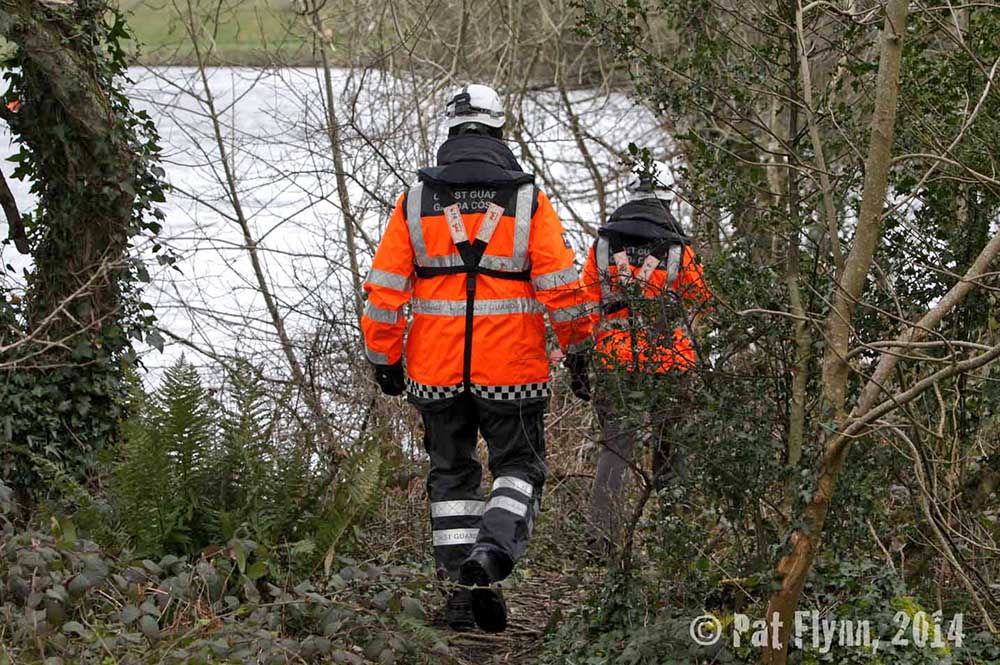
point(651, 183)
point(475, 103)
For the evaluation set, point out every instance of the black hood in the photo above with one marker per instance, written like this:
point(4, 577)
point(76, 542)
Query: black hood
point(646, 219)
point(477, 148)
point(475, 158)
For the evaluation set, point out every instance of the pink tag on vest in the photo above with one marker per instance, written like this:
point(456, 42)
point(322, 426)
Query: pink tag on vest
point(490, 221)
point(624, 267)
point(453, 216)
point(648, 266)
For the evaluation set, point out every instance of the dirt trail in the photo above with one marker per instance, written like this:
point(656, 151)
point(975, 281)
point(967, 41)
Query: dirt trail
point(533, 599)
point(548, 586)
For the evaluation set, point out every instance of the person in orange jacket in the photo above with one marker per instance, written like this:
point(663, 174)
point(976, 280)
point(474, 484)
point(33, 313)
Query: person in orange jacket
point(478, 253)
point(645, 275)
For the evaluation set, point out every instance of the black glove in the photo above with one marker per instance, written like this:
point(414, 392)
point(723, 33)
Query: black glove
point(390, 378)
point(579, 380)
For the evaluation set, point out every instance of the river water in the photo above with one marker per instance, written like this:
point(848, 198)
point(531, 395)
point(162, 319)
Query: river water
point(277, 149)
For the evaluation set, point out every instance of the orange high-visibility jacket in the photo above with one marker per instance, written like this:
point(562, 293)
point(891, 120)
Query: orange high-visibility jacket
point(626, 341)
point(526, 268)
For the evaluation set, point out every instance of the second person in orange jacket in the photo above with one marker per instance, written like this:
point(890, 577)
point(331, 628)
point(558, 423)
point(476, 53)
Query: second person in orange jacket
point(643, 272)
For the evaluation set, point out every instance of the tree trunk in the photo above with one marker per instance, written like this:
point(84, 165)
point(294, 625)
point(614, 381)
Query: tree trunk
point(90, 159)
point(794, 567)
point(803, 340)
point(869, 231)
point(82, 249)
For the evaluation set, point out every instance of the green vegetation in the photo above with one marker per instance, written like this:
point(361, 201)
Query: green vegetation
point(260, 513)
point(245, 32)
point(68, 339)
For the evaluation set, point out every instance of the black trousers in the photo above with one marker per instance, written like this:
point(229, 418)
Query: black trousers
point(632, 409)
point(460, 519)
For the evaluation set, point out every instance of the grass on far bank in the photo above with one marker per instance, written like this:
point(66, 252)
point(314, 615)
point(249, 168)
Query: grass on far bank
point(240, 32)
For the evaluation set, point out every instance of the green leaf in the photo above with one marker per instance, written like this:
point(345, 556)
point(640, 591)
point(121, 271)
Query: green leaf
point(129, 614)
point(155, 340)
point(257, 570)
point(149, 627)
point(74, 628)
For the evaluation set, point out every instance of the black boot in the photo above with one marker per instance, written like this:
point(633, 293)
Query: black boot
point(479, 571)
point(458, 610)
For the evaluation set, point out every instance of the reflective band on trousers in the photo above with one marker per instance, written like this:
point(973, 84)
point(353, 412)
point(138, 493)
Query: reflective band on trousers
point(468, 508)
point(551, 280)
point(381, 315)
point(376, 357)
point(508, 504)
point(516, 262)
point(454, 537)
point(510, 482)
point(390, 280)
point(479, 307)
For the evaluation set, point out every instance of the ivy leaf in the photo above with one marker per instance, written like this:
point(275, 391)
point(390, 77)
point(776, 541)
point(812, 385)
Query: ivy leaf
point(129, 614)
point(257, 570)
point(155, 340)
point(75, 628)
point(149, 627)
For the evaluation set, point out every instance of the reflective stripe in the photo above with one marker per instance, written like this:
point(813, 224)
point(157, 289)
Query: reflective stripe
point(457, 508)
point(446, 261)
point(673, 264)
point(438, 307)
point(414, 200)
point(564, 314)
point(454, 537)
point(381, 315)
point(376, 357)
point(602, 255)
point(479, 308)
point(510, 482)
point(390, 280)
point(551, 280)
point(501, 263)
point(507, 306)
point(522, 225)
point(508, 504)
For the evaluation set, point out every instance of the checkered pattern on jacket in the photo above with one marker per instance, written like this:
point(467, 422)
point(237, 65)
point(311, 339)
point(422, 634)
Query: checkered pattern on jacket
point(523, 391)
point(424, 391)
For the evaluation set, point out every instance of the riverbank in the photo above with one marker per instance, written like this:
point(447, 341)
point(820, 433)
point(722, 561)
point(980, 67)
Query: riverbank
point(241, 33)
